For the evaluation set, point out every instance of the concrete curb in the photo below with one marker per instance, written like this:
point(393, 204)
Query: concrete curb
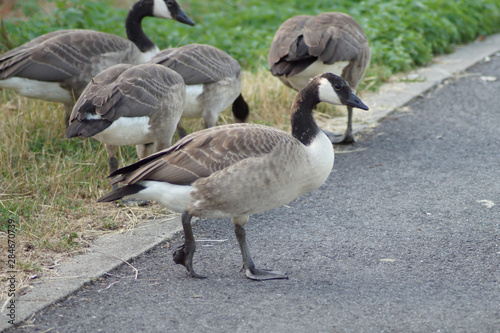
point(108, 252)
point(102, 256)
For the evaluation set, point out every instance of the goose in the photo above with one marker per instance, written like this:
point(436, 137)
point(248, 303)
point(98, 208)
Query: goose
point(237, 170)
point(213, 82)
point(305, 46)
point(58, 66)
point(130, 105)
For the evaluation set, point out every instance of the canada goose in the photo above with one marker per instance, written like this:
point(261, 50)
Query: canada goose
point(305, 46)
point(239, 169)
point(57, 66)
point(130, 105)
point(213, 82)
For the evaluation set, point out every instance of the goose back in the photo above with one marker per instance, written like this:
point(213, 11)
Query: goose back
point(71, 58)
point(328, 37)
point(199, 63)
point(213, 81)
point(150, 93)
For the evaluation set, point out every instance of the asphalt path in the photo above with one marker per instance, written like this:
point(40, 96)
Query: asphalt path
point(403, 237)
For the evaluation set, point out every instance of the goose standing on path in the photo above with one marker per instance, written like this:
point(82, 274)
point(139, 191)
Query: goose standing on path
point(58, 66)
point(213, 82)
point(130, 105)
point(239, 169)
point(305, 46)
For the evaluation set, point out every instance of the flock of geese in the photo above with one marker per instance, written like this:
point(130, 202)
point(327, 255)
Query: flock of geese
point(128, 92)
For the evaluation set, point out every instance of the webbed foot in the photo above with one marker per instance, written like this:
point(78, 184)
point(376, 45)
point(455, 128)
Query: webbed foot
point(264, 274)
point(184, 256)
point(184, 253)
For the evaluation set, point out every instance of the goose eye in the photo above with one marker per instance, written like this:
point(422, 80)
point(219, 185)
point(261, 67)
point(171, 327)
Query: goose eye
point(170, 3)
point(337, 86)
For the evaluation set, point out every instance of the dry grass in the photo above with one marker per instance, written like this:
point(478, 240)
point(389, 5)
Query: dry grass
point(50, 184)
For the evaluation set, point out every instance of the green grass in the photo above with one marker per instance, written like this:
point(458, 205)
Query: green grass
point(49, 184)
point(402, 33)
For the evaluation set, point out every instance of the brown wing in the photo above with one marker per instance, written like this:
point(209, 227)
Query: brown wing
point(198, 64)
point(301, 40)
point(62, 56)
point(334, 37)
point(285, 41)
point(202, 153)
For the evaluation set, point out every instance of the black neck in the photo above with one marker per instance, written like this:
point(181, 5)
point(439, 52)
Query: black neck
point(134, 28)
point(304, 128)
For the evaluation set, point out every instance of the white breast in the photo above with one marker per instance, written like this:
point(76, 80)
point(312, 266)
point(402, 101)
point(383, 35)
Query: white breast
point(322, 157)
point(127, 131)
point(146, 56)
point(300, 80)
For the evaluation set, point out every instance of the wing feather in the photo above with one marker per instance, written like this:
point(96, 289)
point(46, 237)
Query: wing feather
point(123, 91)
point(301, 40)
point(198, 63)
point(202, 153)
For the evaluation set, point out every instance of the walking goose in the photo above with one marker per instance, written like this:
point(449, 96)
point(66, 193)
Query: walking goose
point(305, 46)
point(239, 169)
point(130, 105)
point(58, 66)
point(213, 82)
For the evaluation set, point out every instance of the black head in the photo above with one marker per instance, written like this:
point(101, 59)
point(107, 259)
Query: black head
point(168, 9)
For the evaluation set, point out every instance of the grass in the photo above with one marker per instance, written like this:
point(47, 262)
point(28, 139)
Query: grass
point(49, 184)
point(402, 33)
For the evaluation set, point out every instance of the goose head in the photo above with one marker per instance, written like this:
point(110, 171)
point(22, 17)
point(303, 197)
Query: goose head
point(169, 9)
point(335, 90)
point(328, 88)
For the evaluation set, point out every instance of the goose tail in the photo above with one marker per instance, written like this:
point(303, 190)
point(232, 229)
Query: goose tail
point(240, 109)
point(121, 192)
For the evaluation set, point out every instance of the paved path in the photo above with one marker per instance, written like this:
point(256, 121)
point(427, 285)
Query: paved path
point(403, 237)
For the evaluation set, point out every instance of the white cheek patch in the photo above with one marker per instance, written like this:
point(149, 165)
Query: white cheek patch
point(327, 94)
point(160, 9)
point(93, 116)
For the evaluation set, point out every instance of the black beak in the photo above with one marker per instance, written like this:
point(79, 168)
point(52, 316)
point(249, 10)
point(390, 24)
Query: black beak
point(183, 18)
point(354, 102)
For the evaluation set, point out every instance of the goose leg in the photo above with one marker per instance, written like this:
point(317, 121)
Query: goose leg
point(112, 160)
point(184, 253)
point(347, 138)
point(250, 271)
point(181, 130)
point(210, 118)
point(68, 108)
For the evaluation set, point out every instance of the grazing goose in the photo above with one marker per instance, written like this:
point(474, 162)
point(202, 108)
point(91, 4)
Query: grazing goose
point(239, 169)
point(305, 46)
point(57, 66)
point(213, 82)
point(130, 105)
